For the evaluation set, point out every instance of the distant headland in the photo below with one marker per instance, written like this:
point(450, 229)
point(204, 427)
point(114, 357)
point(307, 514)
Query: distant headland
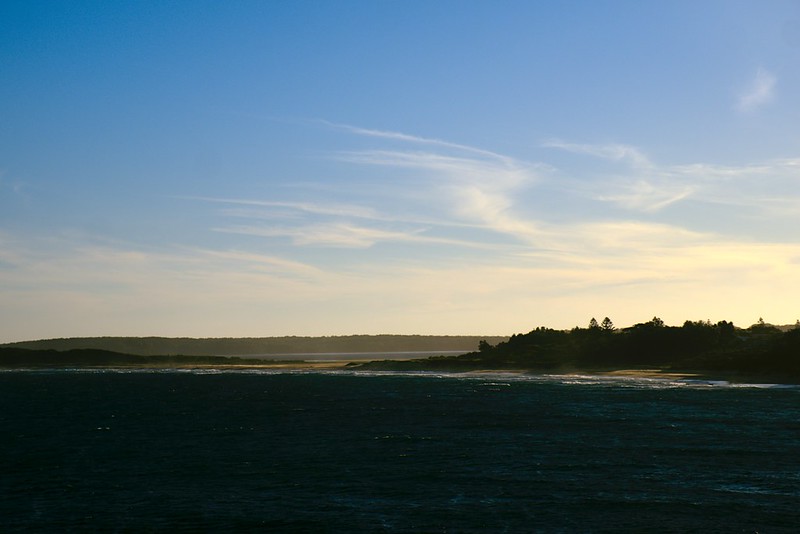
point(250, 346)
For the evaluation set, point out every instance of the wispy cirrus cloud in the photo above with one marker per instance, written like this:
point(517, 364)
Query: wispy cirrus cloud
point(614, 152)
point(760, 186)
point(261, 262)
point(451, 194)
point(489, 173)
point(441, 188)
point(331, 208)
point(342, 235)
point(759, 91)
point(648, 195)
point(473, 185)
point(399, 136)
point(470, 190)
point(647, 186)
point(641, 185)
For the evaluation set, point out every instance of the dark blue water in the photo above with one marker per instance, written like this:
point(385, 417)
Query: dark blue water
point(311, 452)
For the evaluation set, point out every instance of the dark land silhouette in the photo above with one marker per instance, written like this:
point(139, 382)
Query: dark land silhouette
point(761, 352)
point(15, 357)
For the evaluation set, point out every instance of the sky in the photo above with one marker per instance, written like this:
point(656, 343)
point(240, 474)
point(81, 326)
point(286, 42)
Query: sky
point(216, 169)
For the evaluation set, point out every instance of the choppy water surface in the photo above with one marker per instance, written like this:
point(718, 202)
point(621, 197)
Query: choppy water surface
point(346, 452)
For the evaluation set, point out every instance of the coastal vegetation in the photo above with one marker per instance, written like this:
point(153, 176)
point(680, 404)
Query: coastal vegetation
point(719, 349)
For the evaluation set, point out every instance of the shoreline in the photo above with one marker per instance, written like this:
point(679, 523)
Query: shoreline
point(354, 366)
point(652, 373)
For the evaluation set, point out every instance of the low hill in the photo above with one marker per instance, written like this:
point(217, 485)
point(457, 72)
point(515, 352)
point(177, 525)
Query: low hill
point(150, 346)
point(15, 357)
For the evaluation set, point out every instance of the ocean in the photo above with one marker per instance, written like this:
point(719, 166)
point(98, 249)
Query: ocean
point(394, 452)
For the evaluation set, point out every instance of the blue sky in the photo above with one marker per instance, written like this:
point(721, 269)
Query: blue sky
point(453, 167)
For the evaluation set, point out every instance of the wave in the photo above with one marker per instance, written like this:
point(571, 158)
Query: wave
point(488, 379)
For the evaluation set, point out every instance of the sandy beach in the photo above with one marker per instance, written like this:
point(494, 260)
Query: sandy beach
point(648, 373)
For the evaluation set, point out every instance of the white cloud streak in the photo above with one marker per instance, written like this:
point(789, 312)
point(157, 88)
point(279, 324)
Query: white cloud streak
point(342, 235)
point(398, 136)
point(613, 152)
point(467, 187)
point(648, 196)
point(759, 92)
point(339, 210)
point(475, 187)
point(647, 187)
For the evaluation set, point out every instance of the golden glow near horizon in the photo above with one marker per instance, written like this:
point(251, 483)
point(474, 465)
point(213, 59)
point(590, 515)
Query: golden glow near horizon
point(275, 174)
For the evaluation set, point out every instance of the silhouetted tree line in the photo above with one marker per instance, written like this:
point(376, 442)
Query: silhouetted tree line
point(696, 345)
point(700, 346)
